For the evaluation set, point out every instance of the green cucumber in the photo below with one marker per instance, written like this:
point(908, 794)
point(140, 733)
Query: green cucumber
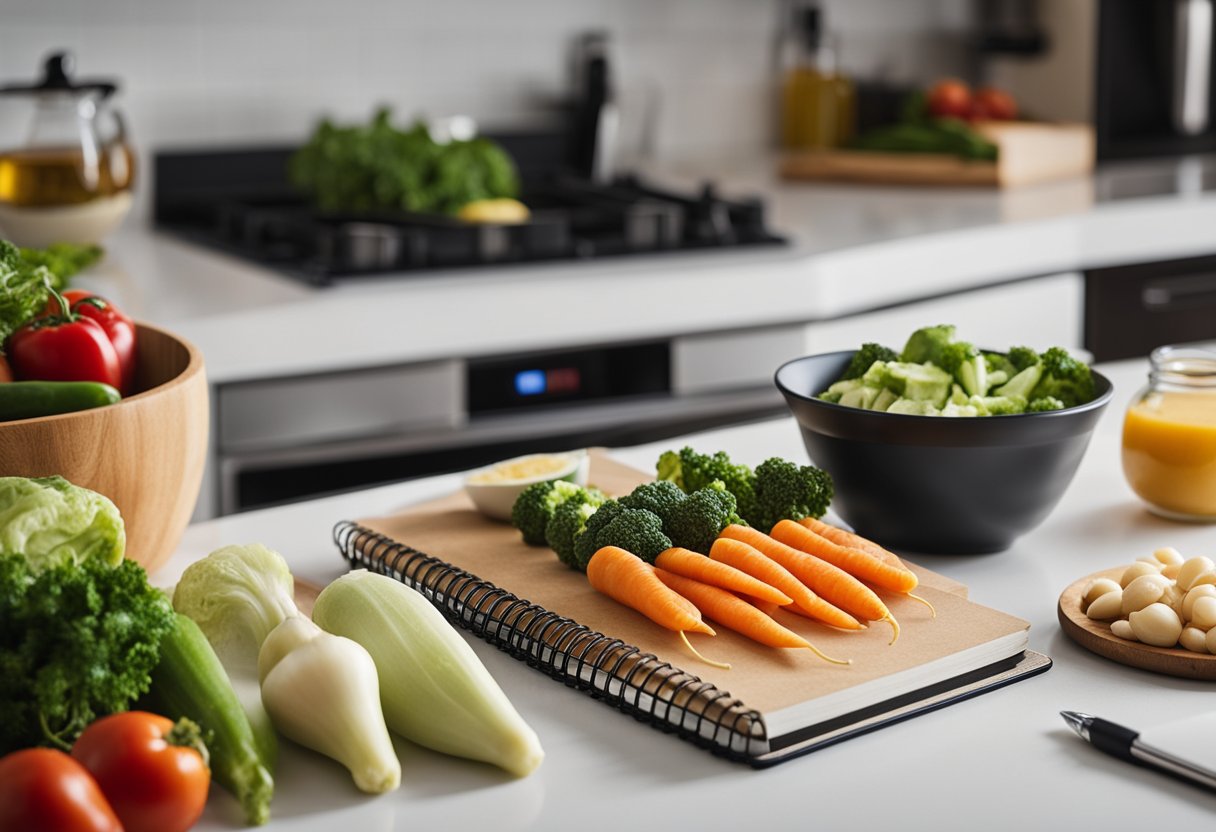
point(30, 399)
point(190, 682)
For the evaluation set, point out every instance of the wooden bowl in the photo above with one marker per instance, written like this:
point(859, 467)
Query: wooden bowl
point(145, 453)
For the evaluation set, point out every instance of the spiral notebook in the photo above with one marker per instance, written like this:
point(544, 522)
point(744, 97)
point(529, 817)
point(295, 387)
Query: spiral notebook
point(771, 706)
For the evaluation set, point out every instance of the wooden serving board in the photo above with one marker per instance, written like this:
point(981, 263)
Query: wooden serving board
point(1027, 153)
point(1096, 637)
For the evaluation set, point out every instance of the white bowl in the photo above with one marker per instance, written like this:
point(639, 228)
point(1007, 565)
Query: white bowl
point(495, 499)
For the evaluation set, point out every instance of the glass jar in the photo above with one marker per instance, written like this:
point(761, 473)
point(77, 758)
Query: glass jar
point(68, 175)
point(1169, 435)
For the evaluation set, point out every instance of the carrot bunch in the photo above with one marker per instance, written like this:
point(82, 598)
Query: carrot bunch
point(807, 567)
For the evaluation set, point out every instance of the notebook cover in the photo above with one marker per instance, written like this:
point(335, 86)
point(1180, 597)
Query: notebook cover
point(761, 680)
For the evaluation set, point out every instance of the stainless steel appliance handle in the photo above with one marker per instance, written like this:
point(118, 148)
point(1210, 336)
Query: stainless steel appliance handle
point(1192, 65)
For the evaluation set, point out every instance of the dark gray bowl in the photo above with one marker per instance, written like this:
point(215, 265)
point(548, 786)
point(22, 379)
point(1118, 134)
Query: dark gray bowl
point(937, 484)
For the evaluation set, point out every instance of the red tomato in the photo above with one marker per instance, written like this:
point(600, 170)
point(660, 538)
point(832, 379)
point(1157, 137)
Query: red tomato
point(6, 374)
point(119, 328)
point(154, 783)
point(41, 789)
point(949, 97)
point(990, 102)
point(57, 349)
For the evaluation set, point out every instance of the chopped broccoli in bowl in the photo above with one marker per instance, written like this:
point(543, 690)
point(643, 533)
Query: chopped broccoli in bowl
point(939, 375)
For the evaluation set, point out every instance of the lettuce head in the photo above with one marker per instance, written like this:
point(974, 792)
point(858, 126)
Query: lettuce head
point(49, 520)
point(237, 595)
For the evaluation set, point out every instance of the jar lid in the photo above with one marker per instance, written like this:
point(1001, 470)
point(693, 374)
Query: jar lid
point(57, 72)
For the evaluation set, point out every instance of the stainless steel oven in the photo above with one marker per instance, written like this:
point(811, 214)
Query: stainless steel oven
point(285, 439)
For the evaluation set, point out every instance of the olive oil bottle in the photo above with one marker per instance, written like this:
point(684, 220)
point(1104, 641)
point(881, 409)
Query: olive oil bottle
point(817, 102)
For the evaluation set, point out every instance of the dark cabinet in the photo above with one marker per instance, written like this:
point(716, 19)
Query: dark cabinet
point(1129, 310)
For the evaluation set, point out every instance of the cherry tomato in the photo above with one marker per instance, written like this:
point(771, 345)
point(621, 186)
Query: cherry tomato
point(42, 789)
point(62, 349)
point(949, 97)
point(990, 102)
point(119, 328)
point(153, 772)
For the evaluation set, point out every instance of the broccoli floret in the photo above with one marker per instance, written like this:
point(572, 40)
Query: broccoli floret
point(927, 344)
point(632, 529)
point(535, 505)
point(584, 541)
point(998, 363)
point(661, 497)
point(998, 405)
point(922, 382)
point(911, 407)
point(1022, 384)
point(568, 520)
point(1021, 358)
point(1044, 404)
point(1064, 378)
point(865, 357)
point(786, 491)
point(692, 471)
point(968, 366)
point(701, 517)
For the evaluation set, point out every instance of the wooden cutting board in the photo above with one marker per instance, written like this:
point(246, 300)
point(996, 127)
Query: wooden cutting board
point(1096, 637)
point(1027, 153)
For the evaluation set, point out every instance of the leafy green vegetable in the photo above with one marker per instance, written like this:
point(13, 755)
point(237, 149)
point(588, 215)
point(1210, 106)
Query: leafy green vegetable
point(23, 289)
point(26, 274)
point(379, 167)
point(237, 595)
point(77, 641)
point(49, 520)
point(62, 260)
point(929, 135)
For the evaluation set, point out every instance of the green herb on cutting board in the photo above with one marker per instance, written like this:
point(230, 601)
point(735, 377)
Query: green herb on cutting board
point(377, 166)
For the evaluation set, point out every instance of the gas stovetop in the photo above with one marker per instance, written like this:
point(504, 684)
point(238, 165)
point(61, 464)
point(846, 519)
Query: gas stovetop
point(239, 201)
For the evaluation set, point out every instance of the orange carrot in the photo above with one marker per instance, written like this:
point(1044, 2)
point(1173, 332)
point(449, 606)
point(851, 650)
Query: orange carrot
point(899, 579)
point(856, 562)
point(628, 579)
point(743, 557)
point(890, 572)
point(738, 615)
point(697, 566)
point(831, 582)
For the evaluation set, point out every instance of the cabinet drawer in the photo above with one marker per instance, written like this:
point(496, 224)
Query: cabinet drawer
point(1130, 310)
point(266, 415)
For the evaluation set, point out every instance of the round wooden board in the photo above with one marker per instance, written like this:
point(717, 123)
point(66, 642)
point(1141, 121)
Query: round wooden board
point(1097, 637)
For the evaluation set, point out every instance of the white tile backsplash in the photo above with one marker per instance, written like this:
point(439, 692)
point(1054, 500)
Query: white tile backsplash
point(228, 71)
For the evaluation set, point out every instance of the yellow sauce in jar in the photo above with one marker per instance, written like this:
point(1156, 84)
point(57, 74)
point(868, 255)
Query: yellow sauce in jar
point(1169, 452)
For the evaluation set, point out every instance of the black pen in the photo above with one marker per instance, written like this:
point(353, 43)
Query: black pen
point(1125, 744)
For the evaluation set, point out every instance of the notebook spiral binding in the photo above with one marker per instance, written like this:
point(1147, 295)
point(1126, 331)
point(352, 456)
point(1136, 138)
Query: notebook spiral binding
point(637, 683)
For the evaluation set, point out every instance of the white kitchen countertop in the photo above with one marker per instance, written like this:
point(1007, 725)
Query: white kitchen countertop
point(1002, 761)
point(854, 248)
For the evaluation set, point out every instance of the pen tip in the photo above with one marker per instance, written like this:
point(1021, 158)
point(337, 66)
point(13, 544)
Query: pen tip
point(1078, 722)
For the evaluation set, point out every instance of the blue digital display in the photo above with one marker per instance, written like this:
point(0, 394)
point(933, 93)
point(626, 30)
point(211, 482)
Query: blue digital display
point(530, 382)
